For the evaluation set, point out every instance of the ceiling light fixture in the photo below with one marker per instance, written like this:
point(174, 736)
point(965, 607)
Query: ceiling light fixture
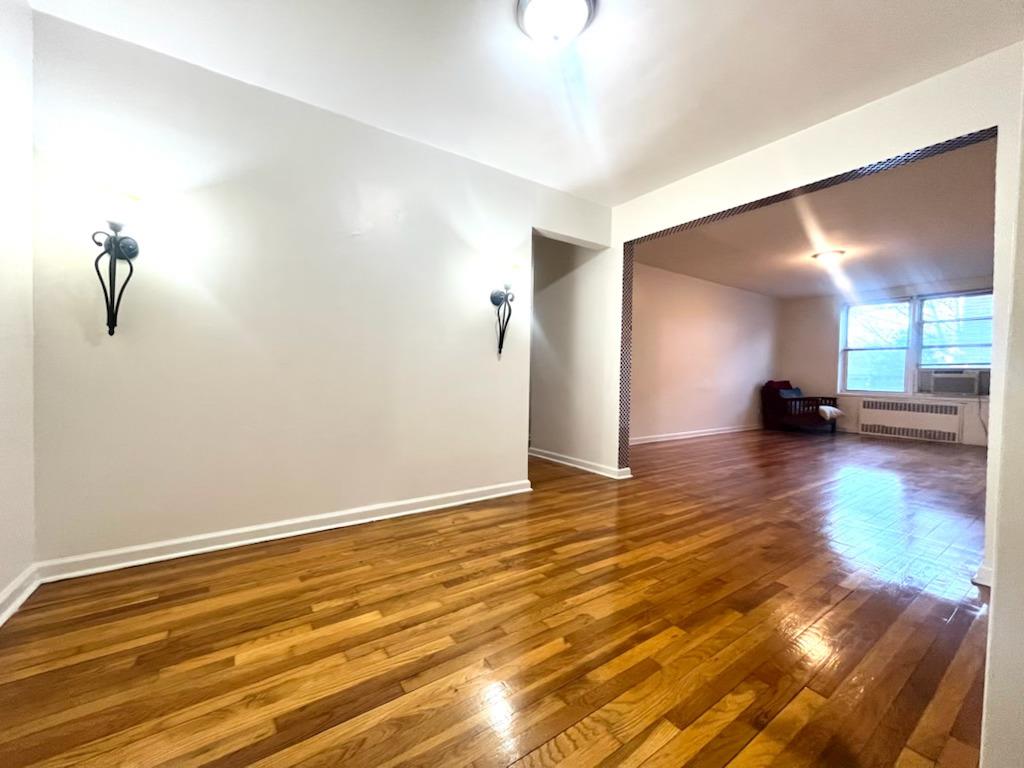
point(554, 22)
point(829, 258)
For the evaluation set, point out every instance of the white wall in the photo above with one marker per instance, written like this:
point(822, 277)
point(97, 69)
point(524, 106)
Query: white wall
point(16, 481)
point(308, 329)
point(977, 95)
point(1002, 737)
point(701, 352)
point(807, 346)
point(565, 352)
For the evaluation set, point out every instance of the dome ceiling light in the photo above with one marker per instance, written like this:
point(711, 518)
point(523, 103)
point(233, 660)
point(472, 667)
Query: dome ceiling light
point(829, 258)
point(554, 22)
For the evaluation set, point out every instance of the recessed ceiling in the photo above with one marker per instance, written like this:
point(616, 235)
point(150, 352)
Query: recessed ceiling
point(652, 91)
point(929, 222)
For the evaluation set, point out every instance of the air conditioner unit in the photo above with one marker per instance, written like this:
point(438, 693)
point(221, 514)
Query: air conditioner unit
point(954, 382)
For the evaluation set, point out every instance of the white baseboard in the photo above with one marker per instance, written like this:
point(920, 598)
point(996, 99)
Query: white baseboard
point(17, 592)
point(588, 466)
point(692, 434)
point(983, 577)
point(124, 557)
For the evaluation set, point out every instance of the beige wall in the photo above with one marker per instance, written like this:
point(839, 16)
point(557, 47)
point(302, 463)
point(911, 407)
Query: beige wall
point(977, 95)
point(16, 481)
point(701, 351)
point(807, 347)
point(565, 356)
point(308, 329)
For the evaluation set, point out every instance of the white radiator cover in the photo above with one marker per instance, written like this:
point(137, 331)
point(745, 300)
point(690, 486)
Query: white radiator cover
point(912, 419)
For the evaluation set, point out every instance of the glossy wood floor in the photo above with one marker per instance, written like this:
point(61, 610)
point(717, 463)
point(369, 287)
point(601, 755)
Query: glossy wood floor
point(748, 600)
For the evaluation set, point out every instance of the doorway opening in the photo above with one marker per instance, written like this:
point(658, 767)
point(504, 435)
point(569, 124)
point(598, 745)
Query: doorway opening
point(569, 280)
point(871, 292)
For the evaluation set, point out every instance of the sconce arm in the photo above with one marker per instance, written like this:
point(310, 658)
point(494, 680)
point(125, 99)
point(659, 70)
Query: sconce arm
point(115, 248)
point(502, 301)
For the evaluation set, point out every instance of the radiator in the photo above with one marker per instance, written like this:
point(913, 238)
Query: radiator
point(912, 419)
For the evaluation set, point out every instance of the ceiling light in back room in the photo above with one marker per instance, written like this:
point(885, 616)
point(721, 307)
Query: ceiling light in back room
point(829, 258)
point(555, 22)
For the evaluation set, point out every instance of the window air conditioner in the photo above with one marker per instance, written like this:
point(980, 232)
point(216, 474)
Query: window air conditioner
point(954, 382)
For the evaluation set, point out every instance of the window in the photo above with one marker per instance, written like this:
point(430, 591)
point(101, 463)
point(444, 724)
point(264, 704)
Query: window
point(877, 343)
point(884, 343)
point(956, 332)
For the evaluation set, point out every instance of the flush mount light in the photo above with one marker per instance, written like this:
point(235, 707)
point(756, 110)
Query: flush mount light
point(828, 258)
point(554, 22)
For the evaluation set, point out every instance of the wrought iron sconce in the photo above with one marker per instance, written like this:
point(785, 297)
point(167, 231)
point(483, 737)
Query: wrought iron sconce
point(116, 247)
point(502, 301)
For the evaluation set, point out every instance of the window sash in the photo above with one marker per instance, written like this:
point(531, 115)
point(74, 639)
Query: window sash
point(847, 348)
point(964, 320)
point(945, 346)
point(915, 348)
point(907, 346)
point(980, 362)
point(898, 302)
point(924, 300)
point(901, 386)
point(974, 332)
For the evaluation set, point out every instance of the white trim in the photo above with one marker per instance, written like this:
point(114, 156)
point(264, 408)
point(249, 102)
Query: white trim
point(951, 399)
point(124, 557)
point(17, 592)
point(911, 352)
point(588, 466)
point(692, 434)
point(983, 577)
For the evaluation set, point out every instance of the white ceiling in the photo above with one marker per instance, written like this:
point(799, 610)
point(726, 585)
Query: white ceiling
point(930, 222)
point(653, 90)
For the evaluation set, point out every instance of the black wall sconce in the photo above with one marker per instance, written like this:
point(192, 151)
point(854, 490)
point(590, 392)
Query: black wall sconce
point(502, 301)
point(116, 248)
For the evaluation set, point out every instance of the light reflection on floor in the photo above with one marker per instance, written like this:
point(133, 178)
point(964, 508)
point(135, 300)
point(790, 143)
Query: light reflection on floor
point(898, 531)
point(815, 646)
point(500, 714)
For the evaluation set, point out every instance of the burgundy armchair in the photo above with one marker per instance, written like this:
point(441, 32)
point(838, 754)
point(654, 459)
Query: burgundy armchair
point(784, 406)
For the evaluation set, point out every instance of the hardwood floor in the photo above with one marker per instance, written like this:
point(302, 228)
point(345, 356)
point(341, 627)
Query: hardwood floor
point(747, 600)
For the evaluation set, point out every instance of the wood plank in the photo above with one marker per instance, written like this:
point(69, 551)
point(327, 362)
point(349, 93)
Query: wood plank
point(721, 608)
point(933, 729)
point(783, 728)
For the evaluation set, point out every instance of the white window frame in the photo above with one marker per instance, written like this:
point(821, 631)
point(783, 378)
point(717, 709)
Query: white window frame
point(919, 330)
point(844, 350)
point(914, 342)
